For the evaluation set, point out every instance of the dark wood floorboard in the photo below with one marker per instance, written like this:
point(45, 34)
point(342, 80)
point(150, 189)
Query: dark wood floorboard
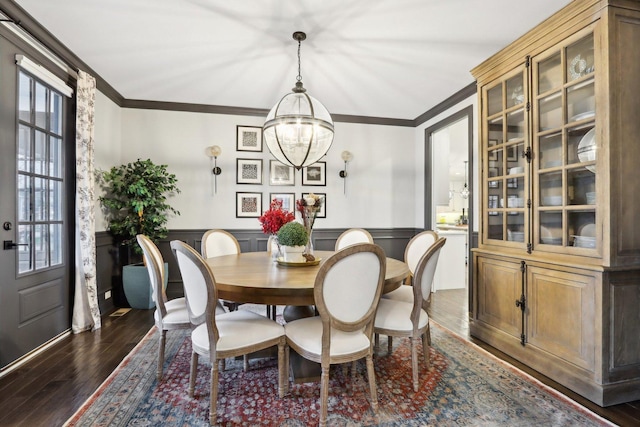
point(47, 390)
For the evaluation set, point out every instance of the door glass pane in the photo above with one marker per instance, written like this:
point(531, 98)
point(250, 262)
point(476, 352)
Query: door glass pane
point(550, 232)
point(495, 229)
point(551, 189)
point(549, 74)
point(55, 238)
point(580, 59)
point(41, 245)
point(24, 198)
point(550, 151)
point(494, 99)
point(41, 106)
point(515, 125)
point(515, 161)
point(515, 226)
point(56, 113)
point(55, 200)
point(581, 104)
point(24, 103)
point(581, 146)
point(55, 157)
point(495, 163)
point(515, 91)
point(40, 199)
point(581, 186)
point(550, 108)
point(582, 228)
point(40, 147)
point(495, 131)
point(24, 149)
point(24, 250)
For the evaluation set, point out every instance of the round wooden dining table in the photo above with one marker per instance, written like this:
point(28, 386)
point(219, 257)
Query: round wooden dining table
point(255, 277)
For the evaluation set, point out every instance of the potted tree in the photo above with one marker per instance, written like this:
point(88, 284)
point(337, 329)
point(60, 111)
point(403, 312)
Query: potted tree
point(135, 202)
point(293, 238)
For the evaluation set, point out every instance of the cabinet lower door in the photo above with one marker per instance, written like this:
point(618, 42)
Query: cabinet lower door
point(499, 286)
point(561, 314)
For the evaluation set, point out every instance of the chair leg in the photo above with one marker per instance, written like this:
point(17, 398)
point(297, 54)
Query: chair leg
point(376, 340)
point(161, 344)
point(192, 373)
point(372, 384)
point(425, 348)
point(245, 362)
point(213, 408)
point(414, 362)
point(324, 395)
point(429, 335)
point(286, 367)
point(282, 369)
point(389, 344)
point(354, 365)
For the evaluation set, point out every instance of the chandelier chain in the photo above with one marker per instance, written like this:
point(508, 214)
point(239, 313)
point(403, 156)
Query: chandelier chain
point(299, 78)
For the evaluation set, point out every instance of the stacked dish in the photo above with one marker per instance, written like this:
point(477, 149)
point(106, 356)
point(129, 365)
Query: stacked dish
point(515, 236)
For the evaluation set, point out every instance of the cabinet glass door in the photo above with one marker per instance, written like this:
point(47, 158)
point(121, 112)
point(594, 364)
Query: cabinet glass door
point(505, 167)
point(565, 145)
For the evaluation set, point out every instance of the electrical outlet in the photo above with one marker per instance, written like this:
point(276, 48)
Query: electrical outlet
point(107, 295)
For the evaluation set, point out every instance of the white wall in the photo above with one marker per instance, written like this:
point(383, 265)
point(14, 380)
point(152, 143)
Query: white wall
point(420, 155)
point(380, 185)
point(107, 146)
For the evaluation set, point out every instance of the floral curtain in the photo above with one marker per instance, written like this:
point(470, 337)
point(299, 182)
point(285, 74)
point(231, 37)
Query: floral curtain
point(86, 312)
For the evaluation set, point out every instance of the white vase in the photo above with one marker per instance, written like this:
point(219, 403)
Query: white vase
point(293, 253)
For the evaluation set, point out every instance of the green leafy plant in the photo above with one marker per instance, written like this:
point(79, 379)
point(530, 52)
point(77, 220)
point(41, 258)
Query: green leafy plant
point(293, 234)
point(135, 200)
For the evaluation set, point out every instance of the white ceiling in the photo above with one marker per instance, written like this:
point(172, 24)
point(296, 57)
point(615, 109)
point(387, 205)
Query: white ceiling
point(378, 58)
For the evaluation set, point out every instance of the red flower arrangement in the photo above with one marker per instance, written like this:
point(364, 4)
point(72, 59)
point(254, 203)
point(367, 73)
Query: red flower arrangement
point(275, 217)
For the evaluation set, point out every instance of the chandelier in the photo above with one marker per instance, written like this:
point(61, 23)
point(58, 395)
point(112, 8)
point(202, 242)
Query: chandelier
point(298, 130)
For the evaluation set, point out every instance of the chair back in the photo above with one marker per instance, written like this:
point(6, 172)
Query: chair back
point(348, 287)
point(353, 236)
point(155, 266)
point(417, 247)
point(199, 286)
point(219, 243)
point(423, 278)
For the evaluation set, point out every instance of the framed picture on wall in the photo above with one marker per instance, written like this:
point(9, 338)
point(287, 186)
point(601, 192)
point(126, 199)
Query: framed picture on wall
point(280, 174)
point(315, 174)
point(248, 205)
point(249, 171)
point(249, 138)
point(288, 200)
point(322, 213)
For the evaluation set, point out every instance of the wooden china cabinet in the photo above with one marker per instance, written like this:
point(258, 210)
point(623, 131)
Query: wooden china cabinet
point(557, 268)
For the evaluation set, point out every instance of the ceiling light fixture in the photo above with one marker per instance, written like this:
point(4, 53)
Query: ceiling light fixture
point(465, 190)
point(298, 129)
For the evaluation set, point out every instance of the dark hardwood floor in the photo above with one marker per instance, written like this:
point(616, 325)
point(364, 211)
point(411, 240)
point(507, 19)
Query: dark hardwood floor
point(47, 390)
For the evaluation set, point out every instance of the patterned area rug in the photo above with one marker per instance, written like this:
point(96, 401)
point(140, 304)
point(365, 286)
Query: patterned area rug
point(465, 386)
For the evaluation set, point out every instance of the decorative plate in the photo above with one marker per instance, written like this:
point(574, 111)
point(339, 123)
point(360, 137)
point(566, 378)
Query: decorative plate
point(284, 263)
point(587, 149)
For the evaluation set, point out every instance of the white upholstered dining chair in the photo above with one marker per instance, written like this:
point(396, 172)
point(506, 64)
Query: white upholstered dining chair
point(416, 248)
point(169, 314)
point(403, 319)
point(346, 291)
point(219, 243)
point(230, 334)
point(353, 236)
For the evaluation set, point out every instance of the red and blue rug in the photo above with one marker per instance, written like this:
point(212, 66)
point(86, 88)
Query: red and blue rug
point(465, 386)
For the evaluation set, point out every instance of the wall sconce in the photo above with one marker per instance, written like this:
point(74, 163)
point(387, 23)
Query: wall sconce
point(347, 156)
point(213, 152)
